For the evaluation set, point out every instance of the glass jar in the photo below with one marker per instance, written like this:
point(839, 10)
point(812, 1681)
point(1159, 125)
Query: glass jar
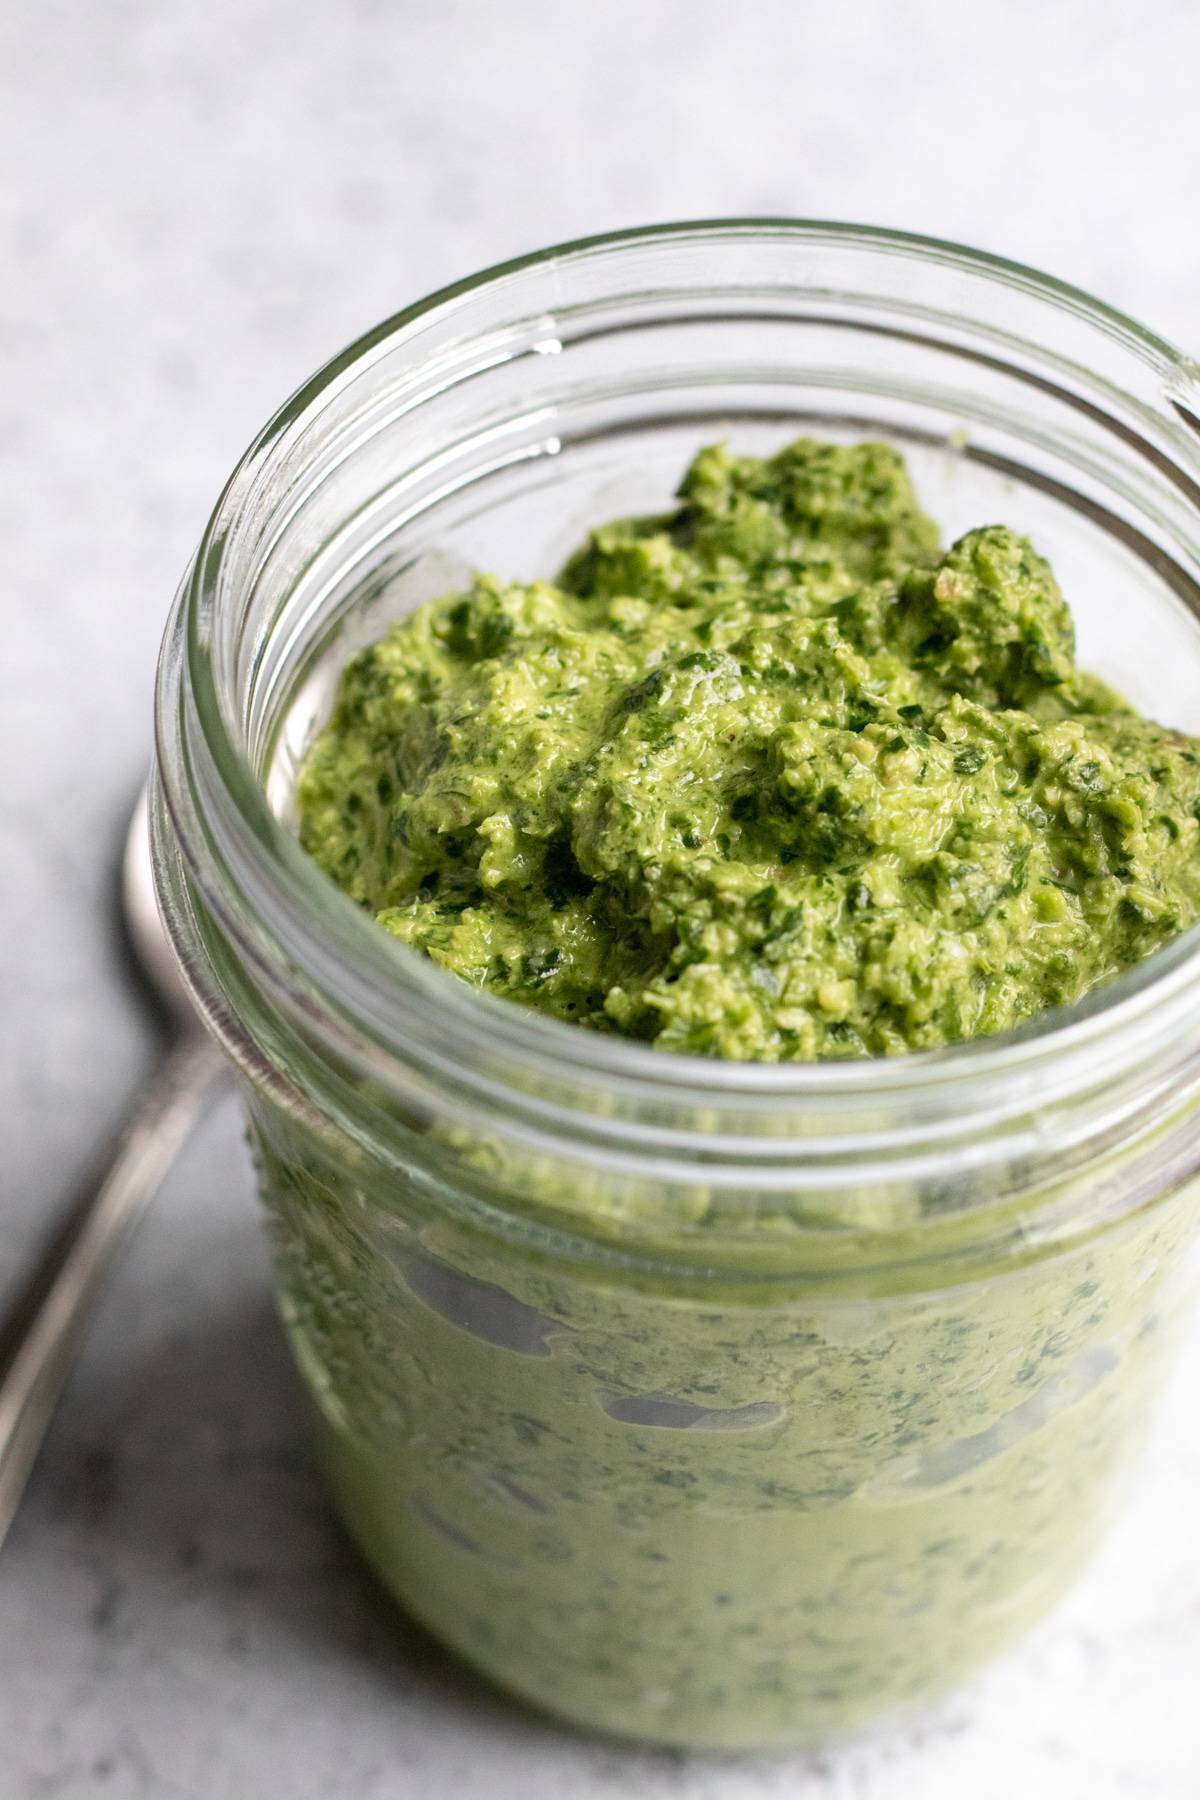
point(711, 1403)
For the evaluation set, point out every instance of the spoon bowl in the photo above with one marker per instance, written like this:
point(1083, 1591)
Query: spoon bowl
point(143, 928)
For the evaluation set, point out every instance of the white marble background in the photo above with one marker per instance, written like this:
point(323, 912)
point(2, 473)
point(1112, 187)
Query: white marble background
point(198, 203)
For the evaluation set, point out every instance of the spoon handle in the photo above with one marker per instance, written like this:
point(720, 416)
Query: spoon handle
point(41, 1334)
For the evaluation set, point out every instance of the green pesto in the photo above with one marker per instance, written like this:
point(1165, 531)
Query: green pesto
point(730, 1512)
point(771, 777)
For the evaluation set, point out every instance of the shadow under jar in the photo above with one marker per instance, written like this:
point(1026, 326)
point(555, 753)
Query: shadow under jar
point(711, 1403)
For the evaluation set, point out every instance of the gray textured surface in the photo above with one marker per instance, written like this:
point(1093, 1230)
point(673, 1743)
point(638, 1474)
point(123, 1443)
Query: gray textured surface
point(198, 202)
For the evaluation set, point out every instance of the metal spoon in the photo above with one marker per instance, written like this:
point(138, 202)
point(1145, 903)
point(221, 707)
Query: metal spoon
point(42, 1333)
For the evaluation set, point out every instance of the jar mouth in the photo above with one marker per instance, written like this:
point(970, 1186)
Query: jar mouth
point(376, 995)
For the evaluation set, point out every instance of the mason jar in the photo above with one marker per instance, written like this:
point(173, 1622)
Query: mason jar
point(710, 1403)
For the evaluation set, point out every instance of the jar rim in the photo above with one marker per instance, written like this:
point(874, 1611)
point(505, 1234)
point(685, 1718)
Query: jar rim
point(386, 981)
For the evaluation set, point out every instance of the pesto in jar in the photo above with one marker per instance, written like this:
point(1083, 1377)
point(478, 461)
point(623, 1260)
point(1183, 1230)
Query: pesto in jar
point(774, 776)
point(771, 777)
